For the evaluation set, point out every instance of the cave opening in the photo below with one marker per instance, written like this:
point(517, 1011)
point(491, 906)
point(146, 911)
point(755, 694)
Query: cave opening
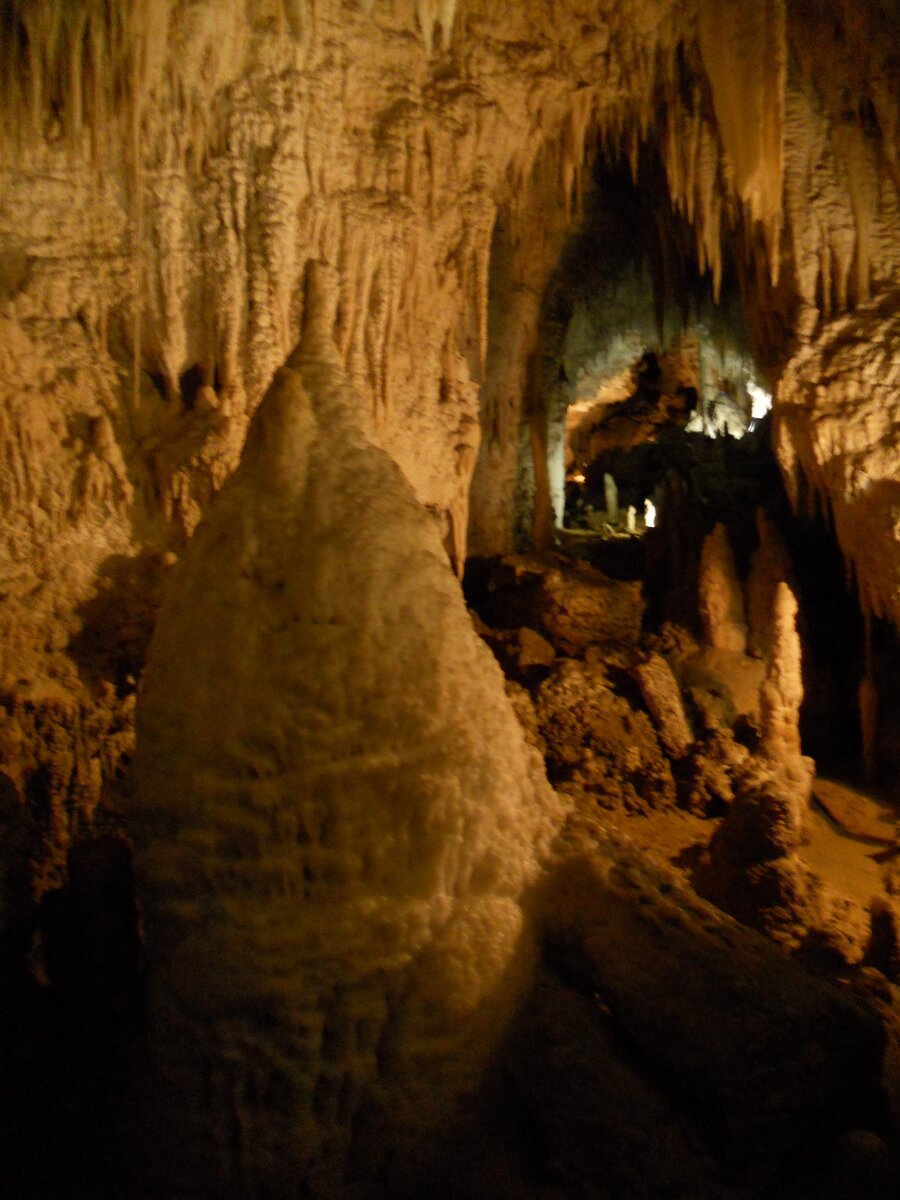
point(650, 382)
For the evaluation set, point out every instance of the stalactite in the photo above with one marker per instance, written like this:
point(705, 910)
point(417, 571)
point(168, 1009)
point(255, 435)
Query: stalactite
point(744, 50)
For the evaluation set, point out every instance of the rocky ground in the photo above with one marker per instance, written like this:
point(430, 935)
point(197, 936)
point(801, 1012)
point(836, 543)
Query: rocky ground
point(666, 1037)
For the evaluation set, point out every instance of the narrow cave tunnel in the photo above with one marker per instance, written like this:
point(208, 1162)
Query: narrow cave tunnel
point(451, 577)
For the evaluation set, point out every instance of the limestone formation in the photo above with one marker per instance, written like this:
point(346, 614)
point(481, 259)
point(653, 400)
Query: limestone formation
point(769, 567)
point(605, 915)
point(782, 692)
point(168, 168)
point(755, 868)
point(338, 818)
point(597, 746)
point(573, 605)
point(336, 813)
point(706, 780)
point(836, 437)
point(612, 498)
point(720, 596)
point(883, 950)
point(524, 655)
point(662, 696)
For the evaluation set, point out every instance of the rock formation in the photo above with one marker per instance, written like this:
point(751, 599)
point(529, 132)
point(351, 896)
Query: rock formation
point(720, 595)
point(338, 819)
point(782, 691)
point(664, 701)
point(169, 168)
point(336, 816)
point(769, 567)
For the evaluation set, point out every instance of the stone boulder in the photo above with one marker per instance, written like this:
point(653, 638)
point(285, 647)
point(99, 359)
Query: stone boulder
point(597, 744)
point(772, 1063)
point(572, 604)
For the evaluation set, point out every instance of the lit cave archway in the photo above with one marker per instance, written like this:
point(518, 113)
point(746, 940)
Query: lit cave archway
point(646, 387)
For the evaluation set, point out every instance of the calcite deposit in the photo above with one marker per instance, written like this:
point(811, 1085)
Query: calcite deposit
point(336, 813)
point(170, 167)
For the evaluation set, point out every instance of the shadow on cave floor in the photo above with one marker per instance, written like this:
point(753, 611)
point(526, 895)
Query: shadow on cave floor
point(654, 731)
point(665, 1052)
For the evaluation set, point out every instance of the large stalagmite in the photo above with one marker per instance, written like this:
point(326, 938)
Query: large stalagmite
point(336, 810)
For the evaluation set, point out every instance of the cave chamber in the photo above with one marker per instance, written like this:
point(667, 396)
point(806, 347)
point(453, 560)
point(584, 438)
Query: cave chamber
point(451, 580)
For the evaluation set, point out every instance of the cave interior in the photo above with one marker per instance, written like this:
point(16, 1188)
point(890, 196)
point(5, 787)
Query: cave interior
point(449, 731)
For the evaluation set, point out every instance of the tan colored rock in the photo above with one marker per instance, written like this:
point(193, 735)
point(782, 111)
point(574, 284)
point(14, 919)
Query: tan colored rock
point(837, 441)
point(706, 781)
point(765, 822)
point(604, 1108)
point(720, 596)
point(599, 747)
point(149, 283)
point(755, 869)
point(782, 691)
point(867, 702)
point(883, 950)
point(710, 1004)
point(770, 566)
point(723, 687)
point(334, 807)
point(662, 695)
point(523, 654)
point(574, 605)
point(858, 814)
point(167, 170)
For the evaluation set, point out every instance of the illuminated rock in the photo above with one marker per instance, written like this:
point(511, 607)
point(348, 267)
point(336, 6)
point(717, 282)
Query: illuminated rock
point(720, 596)
point(336, 814)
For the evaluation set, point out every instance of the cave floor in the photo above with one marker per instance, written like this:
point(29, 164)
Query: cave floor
point(576, 657)
point(851, 866)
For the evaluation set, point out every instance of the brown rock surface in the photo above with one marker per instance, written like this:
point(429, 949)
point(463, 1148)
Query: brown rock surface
point(883, 950)
point(662, 695)
point(597, 745)
point(720, 595)
point(755, 869)
point(782, 692)
point(769, 1055)
point(336, 815)
point(855, 812)
point(572, 604)
point(605, 1109)
point(168, 168)
point(706, 780)
point(769, 567)
point(523, 654)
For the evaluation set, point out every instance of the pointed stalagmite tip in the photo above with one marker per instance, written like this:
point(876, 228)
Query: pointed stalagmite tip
point(320, 299)
point(320, 287)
